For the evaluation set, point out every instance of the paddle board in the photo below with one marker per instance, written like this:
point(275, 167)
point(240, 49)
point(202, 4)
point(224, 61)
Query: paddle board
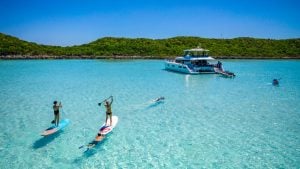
point(53, 129)
point(107, 129)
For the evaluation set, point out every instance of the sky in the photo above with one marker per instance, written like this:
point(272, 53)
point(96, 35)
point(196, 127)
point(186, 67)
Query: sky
point(76, 22)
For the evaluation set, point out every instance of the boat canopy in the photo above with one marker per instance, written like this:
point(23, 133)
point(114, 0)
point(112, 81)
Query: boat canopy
point(208, 58)
point(197, 52)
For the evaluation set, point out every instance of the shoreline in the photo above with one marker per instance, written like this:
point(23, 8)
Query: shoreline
point(143, 48)
point(47, 57)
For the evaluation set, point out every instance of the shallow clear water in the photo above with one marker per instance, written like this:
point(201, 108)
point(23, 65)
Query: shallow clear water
point(206, 121)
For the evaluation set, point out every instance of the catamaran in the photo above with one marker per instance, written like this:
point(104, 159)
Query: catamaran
point(196, 61)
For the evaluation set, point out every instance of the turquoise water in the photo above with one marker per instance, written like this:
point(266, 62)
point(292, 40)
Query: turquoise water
point(206, 121)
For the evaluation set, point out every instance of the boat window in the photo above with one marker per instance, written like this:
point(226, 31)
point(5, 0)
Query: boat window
point(205, 53)
point(187, 53)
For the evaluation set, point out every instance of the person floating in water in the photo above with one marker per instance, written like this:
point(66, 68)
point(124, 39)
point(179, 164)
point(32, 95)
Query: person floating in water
point(275, 82)
point(99, 137)
point(107, 105)
point(56, 112)
point(159, 99)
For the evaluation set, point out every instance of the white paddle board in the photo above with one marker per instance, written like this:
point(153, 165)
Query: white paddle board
point(107, 129)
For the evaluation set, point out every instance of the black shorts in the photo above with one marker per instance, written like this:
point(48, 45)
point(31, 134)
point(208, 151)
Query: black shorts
point(56, 112)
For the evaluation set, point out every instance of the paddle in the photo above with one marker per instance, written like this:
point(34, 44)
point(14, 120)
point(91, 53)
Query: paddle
point(99, 104)
point(81, 147)
point(63, 112)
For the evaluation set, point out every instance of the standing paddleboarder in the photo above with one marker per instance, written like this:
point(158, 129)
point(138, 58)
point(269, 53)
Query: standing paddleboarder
point(107, 105)
point(56, 112)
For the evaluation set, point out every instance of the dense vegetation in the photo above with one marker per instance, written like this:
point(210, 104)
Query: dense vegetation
point(109, 47)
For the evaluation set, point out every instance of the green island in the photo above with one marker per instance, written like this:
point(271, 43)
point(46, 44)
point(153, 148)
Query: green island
point(143, 48)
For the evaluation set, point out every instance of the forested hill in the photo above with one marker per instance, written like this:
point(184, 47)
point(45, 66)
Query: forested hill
point(110, 47)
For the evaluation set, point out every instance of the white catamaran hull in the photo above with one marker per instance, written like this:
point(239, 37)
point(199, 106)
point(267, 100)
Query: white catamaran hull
point(182, 68)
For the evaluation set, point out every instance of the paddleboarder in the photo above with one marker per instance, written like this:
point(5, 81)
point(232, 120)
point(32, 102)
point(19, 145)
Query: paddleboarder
point(107, 105)
point(56, 112)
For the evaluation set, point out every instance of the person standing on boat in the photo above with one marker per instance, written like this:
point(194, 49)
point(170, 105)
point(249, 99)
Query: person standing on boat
point(219, 65)
point(107, 105)
point(56, 112)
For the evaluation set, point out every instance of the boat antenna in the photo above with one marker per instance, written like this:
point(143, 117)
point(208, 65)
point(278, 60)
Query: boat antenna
point(199, 45)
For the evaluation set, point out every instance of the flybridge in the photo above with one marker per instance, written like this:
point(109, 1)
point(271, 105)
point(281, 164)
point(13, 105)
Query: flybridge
point(197, 52)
